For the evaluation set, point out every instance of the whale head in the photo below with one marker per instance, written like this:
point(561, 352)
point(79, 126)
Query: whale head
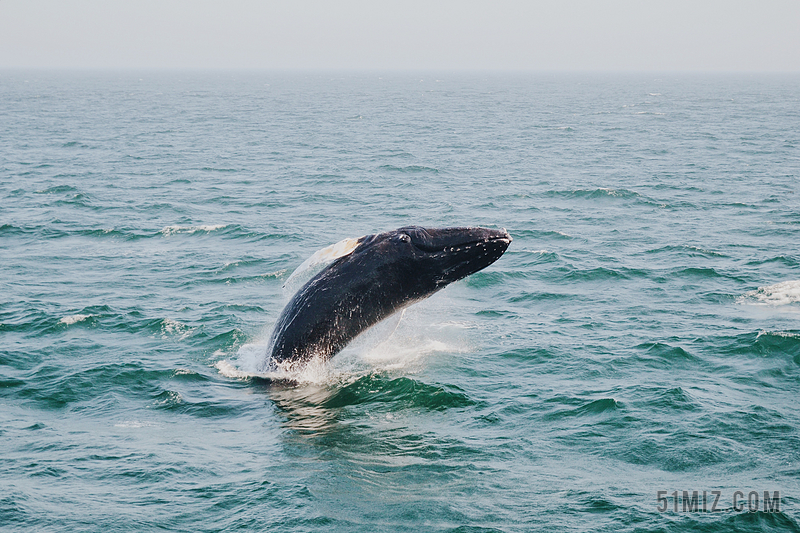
point(428, 259)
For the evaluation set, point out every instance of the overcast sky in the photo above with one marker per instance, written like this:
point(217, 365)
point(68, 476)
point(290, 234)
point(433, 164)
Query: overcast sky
point(560, 35)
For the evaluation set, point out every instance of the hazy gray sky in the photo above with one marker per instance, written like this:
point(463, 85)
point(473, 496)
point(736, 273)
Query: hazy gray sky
point(626, 35)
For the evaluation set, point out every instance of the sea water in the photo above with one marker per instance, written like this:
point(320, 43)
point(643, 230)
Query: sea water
point(640, 338)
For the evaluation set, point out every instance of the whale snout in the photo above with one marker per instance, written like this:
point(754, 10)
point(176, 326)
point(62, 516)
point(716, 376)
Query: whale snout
point(466, 251)
point(433, 240)
point(500, 235)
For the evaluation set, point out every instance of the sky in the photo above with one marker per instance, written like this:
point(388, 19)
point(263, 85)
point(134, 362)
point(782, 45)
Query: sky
point(503, 35)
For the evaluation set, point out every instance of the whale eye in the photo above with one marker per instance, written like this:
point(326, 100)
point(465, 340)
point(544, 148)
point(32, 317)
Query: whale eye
point(404, 238)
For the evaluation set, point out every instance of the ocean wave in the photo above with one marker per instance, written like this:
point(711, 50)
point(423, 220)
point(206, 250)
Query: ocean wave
point(595, 407)
point(58, 229)
point(780, 334)
point(699, 272)
point(675, 398)
point(543, 296)
point(228, 231)
point(401, 392)
point(536, 257)
point(601, 273)
point(686, 250)
point(10, 229)
point(762, 345)
point(57, 189)
point(411, 169)
point(50, 231)
point(658, 354)
point(779, 259)
point(135, 424)
point(78, 199)
point(595, 194)
point(214, 169)
point(668, 453)
point(55, 387)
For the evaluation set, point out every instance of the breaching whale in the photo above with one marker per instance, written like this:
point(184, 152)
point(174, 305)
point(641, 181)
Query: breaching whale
point(376, 276)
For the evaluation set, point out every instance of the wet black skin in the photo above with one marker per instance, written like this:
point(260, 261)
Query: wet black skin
point(384, 274)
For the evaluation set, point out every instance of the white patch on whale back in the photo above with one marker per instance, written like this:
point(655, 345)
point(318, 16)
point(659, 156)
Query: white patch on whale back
point(319, 260)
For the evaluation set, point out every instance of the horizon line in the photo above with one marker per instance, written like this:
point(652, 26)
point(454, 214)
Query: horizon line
point(385, 70)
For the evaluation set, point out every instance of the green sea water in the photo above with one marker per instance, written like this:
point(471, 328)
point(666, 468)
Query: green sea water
point(641, 334)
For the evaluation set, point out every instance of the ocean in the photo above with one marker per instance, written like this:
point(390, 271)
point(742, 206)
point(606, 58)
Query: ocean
point(632, 363)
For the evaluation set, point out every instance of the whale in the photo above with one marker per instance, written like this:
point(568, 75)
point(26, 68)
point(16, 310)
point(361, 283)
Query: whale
point(370, 279)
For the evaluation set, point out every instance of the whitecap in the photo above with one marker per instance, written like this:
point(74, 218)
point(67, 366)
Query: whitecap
point(171, 327)
point(780, 294)
point(783, 334)
point(537, 252)
point(73, 319)
point(174, 230)
point(134, 424)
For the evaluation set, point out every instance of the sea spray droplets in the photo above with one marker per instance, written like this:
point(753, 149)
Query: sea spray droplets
point(398, 344)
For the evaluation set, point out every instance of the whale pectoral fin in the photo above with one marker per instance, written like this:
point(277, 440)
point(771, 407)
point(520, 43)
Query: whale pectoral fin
point(396, 318)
